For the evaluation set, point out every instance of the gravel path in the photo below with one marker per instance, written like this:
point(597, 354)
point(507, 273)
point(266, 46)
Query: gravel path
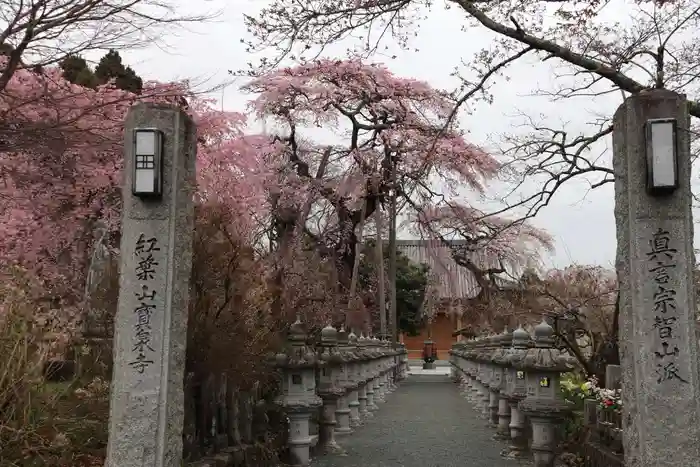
point(424, 423)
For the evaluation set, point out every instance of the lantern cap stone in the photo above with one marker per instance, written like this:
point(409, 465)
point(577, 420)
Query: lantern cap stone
point(342, 334)
point(520, 334)
point(329, 333)
point(297, 331)
point(544, 331)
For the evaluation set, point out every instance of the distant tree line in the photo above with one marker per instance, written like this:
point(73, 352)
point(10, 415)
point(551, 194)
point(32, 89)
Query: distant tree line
point(110, 67)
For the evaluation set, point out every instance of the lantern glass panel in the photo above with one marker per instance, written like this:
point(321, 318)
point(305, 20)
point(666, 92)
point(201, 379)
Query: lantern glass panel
point(663, 154)
point(145, 178)
point(146, 143)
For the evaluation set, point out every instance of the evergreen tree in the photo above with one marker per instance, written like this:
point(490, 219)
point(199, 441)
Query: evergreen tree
point(411, 284)
point(76, 70)
point(111, 67)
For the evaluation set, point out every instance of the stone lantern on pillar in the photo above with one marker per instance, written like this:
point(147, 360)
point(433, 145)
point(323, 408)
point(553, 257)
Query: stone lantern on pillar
point(490, 403)
point(516, 390)
point(298, 399)
point(480, 391)
point(354, 380)
point(544, 404)
point(501, 361)
point(344, 383)
point(429, 354)
point(329, 365)
point(363, 377)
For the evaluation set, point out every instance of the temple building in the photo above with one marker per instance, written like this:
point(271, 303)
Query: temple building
point(448, 306)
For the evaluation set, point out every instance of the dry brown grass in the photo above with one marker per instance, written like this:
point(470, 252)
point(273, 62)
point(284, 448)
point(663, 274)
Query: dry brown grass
point(42, 424)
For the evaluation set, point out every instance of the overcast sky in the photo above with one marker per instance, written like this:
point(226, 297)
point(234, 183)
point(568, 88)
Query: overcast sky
point(580, 220)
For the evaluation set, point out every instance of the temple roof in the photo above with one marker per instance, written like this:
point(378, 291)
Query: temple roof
point(449, 280)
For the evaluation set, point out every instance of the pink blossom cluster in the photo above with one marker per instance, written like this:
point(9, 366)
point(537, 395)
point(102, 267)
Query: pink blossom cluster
point(61, 161)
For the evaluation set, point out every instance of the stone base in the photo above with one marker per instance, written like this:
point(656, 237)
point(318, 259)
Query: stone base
point(429, 366)
point(332, 448)
point(515, 454)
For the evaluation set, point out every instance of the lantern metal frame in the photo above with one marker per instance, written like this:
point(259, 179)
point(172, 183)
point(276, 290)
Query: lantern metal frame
point(144, 162)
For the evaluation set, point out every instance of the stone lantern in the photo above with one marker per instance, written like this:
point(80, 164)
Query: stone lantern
point(470, 368)
point(376, 363)
point(501, 361)
point(478, 388)
point(298, 398)
point(344, 383)
point(544, 404)
point(463, 365)
point(516, 390)
point(429, 354)
point(329, 365)
point(354, 380)
point(486, 373)
point(363, 376)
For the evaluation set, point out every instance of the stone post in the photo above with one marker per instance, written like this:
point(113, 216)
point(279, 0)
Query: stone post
point(298, 398)
point(405, 367)
point(371, 376)
point(379, 372)
point(467, 361)
point(453, 363)
point(464, 368)
point(343, 382)
point(392, 367)
point(544, 404)
point(516, 390)
point(496, 378)
point(328, 390)
point(655, 264)
point(502, 361)
point(354, 381)
point(363, 376)
point(476, 373)
point(147, 395)
point(489, 402)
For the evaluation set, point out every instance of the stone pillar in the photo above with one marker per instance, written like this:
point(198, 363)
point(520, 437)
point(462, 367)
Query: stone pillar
point(298, 398)
point(405, 365)
point(516, 390)
point(544, 404)
point(467, 362)
point(476, 373)
point(501, 360)
point(343, 382)
point(464, 369)
point(655, 263)
point(354, 363)
point(328, 390)
point(379, 369)
point(147, 394)
point(371, 376)
point(363, 376)
point(486, 374)
point(453, 363)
